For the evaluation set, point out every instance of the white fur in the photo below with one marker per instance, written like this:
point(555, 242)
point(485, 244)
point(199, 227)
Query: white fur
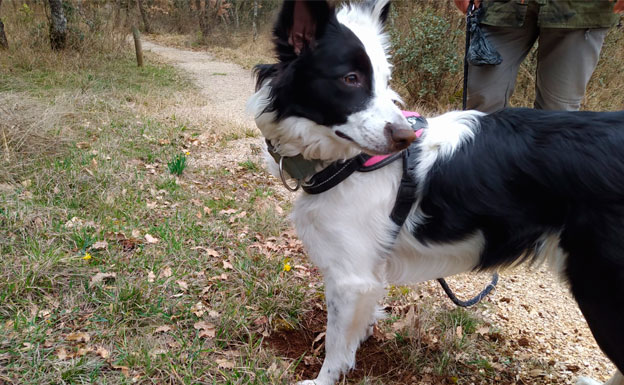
point(617, 379)
point(551, 252)
point(445, 134)
point(294, 135)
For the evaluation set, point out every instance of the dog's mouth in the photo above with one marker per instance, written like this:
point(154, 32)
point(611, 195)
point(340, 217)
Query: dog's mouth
point(366, 149)
point(342, 135)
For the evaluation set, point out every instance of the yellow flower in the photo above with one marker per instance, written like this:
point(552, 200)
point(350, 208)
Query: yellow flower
point(87, 256)
point(286, 266)
point(187, 153)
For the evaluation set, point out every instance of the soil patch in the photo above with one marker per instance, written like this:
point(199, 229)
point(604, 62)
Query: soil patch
point(374, 358)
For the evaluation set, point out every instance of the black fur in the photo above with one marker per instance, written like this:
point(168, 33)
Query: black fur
point(310, 84)
point(528, 174)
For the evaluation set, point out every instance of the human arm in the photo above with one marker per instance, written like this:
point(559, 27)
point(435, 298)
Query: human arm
point(462, 5)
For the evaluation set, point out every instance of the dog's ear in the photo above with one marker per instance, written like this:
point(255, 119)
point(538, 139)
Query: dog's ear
point(302, 22)
point(380, 9)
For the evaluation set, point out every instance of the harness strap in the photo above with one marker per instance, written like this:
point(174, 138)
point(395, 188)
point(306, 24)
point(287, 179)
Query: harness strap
point(406, 195)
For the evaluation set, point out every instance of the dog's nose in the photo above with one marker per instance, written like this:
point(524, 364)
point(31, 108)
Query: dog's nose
point(399, 135)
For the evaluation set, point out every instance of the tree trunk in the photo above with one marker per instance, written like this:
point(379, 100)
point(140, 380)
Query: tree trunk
point(4, 44)
point(137, 46)
point(203, 18)
point(255, 18)
point(146, 25)
point(58, 25)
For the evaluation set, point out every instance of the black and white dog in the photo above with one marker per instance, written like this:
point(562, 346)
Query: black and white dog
point(493, 190)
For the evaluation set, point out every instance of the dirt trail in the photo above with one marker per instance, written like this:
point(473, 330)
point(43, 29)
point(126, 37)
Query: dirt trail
point(536, 314)
point(226, 86)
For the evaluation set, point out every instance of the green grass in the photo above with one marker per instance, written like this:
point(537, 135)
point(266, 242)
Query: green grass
point(118, 189)
point(177, 164)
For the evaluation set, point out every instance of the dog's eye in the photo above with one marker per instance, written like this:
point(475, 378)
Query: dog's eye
point(352, 79)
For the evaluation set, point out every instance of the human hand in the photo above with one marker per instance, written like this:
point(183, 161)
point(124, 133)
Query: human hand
point(619, 6)
point(462, 5)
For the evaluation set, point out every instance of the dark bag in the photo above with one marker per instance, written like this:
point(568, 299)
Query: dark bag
point(480, 51)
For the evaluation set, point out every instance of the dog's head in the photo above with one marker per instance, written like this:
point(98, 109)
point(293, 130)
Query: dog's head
point(328, 96)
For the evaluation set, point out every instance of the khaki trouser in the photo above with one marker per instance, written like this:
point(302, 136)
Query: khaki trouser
point(566, 59)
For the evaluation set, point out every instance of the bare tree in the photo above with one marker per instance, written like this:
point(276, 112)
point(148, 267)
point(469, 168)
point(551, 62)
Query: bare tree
point(255, 18)
point(4, 44)
point(146, 24)
point(58, 25)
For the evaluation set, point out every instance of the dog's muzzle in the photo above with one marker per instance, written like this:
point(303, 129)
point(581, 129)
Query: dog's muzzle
point(399, 136)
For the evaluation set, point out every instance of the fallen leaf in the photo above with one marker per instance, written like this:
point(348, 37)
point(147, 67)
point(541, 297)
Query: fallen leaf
point(198, 309)
point(206, 329)
point(83, 351)
point(227, 212)
point(222, 277)
point(261, 321)
point(124, 369)
point(83, 145)
point(209, 252)
point(157, 352)
point(183, 285)
point(483, 330)
point(150, 239)
point(459, 331)
point(136, 233)
point(227, 265)
point(573, 367)
point(78, 337)
point(100, 277)
point(61, 354)
point(151, 277)
point(163, 329)
point(99, 245)
point(523, 341)
point(225, 364)
point(537, 373)
point(102, 352)
point(165, 273)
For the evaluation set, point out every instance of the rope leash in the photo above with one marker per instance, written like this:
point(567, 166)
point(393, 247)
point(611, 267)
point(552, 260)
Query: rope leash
point(492, 285)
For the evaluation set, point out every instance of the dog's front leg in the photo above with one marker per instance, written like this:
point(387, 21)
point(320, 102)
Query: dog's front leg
point(352, 310)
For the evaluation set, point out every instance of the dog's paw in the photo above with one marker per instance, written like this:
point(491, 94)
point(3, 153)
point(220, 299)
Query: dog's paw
point(587, 381)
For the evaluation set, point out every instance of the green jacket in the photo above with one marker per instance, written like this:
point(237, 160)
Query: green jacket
point(552, 13)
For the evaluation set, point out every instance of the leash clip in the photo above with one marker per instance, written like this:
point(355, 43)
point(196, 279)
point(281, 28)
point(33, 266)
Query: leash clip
point(283, 177)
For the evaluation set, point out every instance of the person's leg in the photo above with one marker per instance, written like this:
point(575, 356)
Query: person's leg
point(490, 87)
point(565, 62)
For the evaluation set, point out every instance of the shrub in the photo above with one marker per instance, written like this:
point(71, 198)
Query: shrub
point(426, 57)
